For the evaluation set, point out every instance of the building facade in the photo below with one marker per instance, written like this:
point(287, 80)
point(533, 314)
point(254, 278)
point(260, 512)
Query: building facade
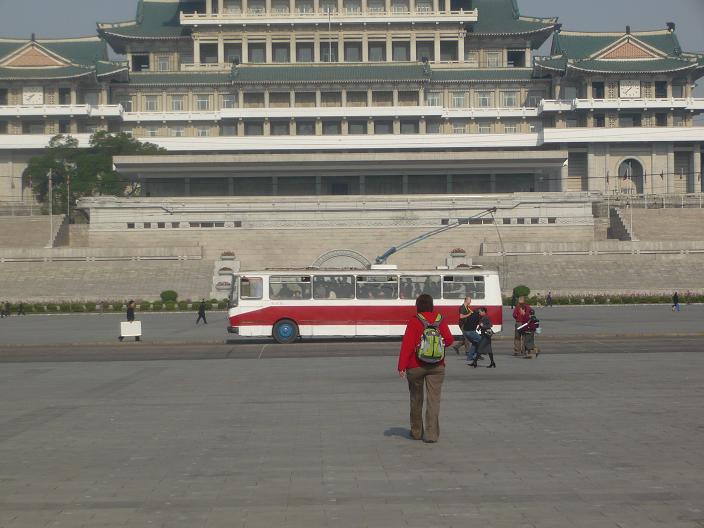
point(361, 97)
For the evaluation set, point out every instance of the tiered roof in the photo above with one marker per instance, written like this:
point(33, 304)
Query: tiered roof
point(645, 52)
point(502, 18)
point(30, 59)
point(155, 20)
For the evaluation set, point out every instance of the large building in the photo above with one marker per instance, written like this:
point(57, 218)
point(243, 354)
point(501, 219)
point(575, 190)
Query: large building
point(358, 97)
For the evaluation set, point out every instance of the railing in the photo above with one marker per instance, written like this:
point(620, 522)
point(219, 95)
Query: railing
point(560, 105)
point(61, 110)
point(372, 13)
point(657, 201)
point(206, 66)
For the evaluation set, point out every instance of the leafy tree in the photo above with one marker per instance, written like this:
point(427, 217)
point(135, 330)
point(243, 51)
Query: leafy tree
point(83, 171)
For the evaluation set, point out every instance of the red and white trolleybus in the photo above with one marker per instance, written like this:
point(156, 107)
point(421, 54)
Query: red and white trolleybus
point(287, 304)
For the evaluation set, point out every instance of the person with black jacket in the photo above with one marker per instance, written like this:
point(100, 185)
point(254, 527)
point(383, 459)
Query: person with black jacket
point(486, 332)
point(471, 334)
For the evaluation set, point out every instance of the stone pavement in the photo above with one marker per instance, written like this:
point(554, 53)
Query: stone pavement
point(573, 440)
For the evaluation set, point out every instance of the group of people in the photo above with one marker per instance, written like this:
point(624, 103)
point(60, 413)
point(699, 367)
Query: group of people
point(422, 356)
point(6, 308)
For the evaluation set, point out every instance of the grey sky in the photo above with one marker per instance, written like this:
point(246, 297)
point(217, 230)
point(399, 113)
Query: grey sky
point(63, 18)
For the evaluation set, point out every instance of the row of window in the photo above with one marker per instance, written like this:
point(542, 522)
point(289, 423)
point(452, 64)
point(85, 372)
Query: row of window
point(367, 287)
point(179, 225)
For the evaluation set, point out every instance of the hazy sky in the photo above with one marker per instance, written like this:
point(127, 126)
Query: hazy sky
point(62, 18)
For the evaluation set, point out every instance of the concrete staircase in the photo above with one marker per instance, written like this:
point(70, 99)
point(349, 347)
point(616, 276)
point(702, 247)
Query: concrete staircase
point(32, 231)
point(618, 228)
point(668, 224)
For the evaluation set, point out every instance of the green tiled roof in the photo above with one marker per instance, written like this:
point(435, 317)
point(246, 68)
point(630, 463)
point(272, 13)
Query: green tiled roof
point(180, 78)
point(634, 66)
point(84, 56)
point(580, 45)
point(156, 19)
point(503, 18)
point(345, 72)
point(482, 75)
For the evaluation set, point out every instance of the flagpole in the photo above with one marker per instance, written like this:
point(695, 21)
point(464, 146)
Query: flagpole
point(68, 198)
point(51, 211)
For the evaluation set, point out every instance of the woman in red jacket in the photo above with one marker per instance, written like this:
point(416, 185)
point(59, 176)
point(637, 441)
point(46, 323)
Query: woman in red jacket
point(420, 374)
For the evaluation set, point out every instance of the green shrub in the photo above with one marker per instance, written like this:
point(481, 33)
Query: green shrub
point(38, 308)
point(78, 308)
point(90, 306)
point(170, 306)
point(521, 290)
point(118, 306)
point(183, 306)
point(51, 307)
point(169, 295)
point(64, 307)
point(157, 306)
point(222, 305)
point(144, 306)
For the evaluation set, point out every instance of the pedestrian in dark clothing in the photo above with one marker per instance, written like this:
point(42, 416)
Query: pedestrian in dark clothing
point(130, 310)
point(513, 301)
point(3, 314)
point(486, 332)
point(521, 314)
point(201, 313)
point(6, 309)
point(548, 299)
point(676, 302)
point(20, 309)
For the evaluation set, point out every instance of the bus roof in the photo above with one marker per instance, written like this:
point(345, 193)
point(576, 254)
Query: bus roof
point(469, 270)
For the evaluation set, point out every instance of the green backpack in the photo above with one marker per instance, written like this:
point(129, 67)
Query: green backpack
point(431, 348)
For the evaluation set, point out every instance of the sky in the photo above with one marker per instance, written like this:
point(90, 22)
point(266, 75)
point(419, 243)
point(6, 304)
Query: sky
point(64, 18)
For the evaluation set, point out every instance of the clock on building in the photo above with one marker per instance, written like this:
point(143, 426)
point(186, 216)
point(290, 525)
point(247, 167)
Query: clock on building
point(32, 95)
point(629, 89)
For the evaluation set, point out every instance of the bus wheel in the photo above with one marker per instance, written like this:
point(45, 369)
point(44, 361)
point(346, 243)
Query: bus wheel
point(285, 331)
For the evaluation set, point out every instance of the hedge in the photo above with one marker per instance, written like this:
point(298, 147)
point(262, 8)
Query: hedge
point(169, 295)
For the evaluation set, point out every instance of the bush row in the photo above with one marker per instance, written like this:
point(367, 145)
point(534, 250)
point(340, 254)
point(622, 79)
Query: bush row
point(118, 306)
point(609, 299)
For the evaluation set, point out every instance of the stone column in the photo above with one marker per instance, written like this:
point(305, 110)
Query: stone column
point(365, 47)
point(436, 6)
point(221, 6)
point(364, 7)
point(564, 177)
point(267, 49)
point(292, 48)
point(436, 51)
point(316, 47)
point(697, 168)
point(267, 7)
point(341, 46)
point(221, 49)
point(245, 49)
point(389, 47)
point(292, 6)
point(447, 6)
point(670, 177)
point(422, 126)
point(245, 6)
point(208, 7)
point(316, 6)
point(460, 49)
point(413, 55)
point(196, 51)
point(387, 6)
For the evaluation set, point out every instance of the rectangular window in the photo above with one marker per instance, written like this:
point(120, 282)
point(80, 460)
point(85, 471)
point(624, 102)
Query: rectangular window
point(279, 128)
point(459, 127)
point(160, 225)
point(164, 63)
point(461, 286)
point(534, 100)
point(401, 51)
point(678, 91)
point(130, 225)
point(304, 52)
point(177, 103)
point(151, 103)
point(178, 131)
point(485, 129)
point(64, 127)
point(283, 288)
point(152, 131)
point(356, 98)
point(510, 99)
point(433, 98)
point(202, 102)
point(357, 127)
point(661, 89)
point(485, 99)
point(458, 99)
point(377, 51)
point(203, 131)
point(377, 287)
point(331, 128)
point(493, 59)
point(228, 130)
point(257, 53)
point(253, 128)
point(147, 225)
point(510, 129)
point(229, 101)
point(280, 53)
point(333, 287)
point(599, 120)
point(411, 286)
point(353, 52)
point(305, 128)
point(661, 120)
point(409, 127)
point(175, 225)
point(383, 127)
point(251, 288)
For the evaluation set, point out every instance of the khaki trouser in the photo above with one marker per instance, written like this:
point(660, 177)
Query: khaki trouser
point(432, 377)
point(517, 340)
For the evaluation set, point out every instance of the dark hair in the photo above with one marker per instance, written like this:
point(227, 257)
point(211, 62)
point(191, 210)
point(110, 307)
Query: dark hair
point(424, 303)
point(482, 309)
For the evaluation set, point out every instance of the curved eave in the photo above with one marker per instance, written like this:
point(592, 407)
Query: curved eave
point(113, 73)
point(514, 33)
point(49, 78)
point(549, 68)
point(631, 72)
point(142, 37)
point(487, 80)
point(334, 81)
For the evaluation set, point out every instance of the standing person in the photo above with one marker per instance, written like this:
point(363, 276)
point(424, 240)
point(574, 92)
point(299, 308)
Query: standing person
point(2, 311)
point(6, 309)
point(486, 331)
point(20, 309)
point(465, 312)
point(676, 302)
point(521, 315)
point(422, 333)
point(513, 300)
point(473, 336)
point(131, 305)
point(201, 312)
point(548, 299)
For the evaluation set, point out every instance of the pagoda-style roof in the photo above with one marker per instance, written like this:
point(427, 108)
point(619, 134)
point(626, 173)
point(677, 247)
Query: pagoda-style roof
point(53, 59)
point(331, 73)
point(155, 20)
point(483, 75)
point(645, 52)
point(502, 19)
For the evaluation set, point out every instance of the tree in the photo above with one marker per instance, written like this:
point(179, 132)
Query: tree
point(83, 171)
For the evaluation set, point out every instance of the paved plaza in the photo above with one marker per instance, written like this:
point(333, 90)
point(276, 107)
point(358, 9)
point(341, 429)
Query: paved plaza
point(577, 439)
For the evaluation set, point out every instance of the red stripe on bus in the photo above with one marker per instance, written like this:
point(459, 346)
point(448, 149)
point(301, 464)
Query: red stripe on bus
point(347, 315)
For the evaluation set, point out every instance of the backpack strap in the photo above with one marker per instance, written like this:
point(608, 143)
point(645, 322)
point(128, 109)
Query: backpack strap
point(423, 320)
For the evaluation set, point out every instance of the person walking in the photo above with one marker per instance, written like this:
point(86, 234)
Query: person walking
point(422, 332)
point(20, 309)
point(548, 299)
point(486, 331)
point(201, 313)
point(521, 315)
point(676, 302)
point(2, 310)
point(6, 309)
point(465, 311)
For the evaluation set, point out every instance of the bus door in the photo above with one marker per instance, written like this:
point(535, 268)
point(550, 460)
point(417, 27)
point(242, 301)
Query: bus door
point(377, 304)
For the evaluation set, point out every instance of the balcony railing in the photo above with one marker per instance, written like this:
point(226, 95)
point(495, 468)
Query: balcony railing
point(566, 105)
point(306, 15)
point(61, 110)
point(206, 67)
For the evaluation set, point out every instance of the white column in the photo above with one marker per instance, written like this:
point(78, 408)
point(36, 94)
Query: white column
point(447, 6)
point(267, 49)
point(245, 49)
point(316, 47)
point(697, 167)
point(292, 49)
point(340, 47)
point(267, 6)
point(436, 6)
point(292, 6)
point(221, 6)
point(365, 47)
point(564, 177)
point(316, 6)
point(387, 6)
point(208, 7)
point(670, 177)
point(413, 47)
point(460, 48)
point(389, 48)
point(196, 51)
point(364, 7)
point(245, 6)
point(437, 46)
point(221, 49)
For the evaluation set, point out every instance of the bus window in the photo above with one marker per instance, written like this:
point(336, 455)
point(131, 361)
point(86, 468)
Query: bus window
point(234, 295)
point(283, 288)
point(333, 287)
point(461, 286)
point(251, 288)
point(412, 286)
point(380, 287)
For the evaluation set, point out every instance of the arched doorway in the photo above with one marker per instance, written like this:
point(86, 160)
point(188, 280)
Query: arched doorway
point(342, 259)
point(631, 176)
